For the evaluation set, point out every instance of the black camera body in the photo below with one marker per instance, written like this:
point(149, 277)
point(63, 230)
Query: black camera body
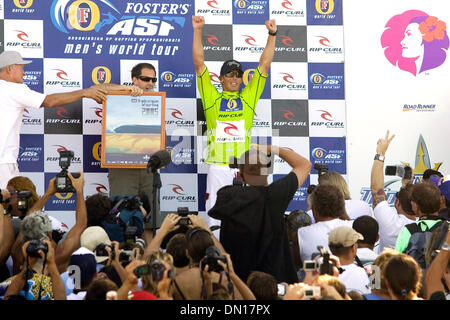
point(404, 172)
point(211, 259)
point(183, 212)
point(101, 251)
point(34, 246)
point(321, 168)
point(155, 269)
point(63, 184)
point(130, 234)
point(325, 265)
point(23, 200)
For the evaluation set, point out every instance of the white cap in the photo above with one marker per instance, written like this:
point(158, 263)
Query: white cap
point(8, 58)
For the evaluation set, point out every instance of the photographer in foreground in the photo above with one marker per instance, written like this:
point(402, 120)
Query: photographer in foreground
point(32, 283)
point(253, 229)
point(63, 250)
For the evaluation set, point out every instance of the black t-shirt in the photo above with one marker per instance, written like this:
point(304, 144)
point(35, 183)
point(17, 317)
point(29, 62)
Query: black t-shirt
point(253, 229)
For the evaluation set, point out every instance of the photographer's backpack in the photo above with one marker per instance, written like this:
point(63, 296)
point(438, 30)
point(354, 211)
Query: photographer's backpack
point(125, 213)
point(420, 239)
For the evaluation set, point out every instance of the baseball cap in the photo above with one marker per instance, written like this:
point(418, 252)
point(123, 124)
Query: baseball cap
point(344, 236)
point(8, 58)
point(230, 65)
point(92, 237)
point(85, 260)
point(445, 189)
point(142, 295)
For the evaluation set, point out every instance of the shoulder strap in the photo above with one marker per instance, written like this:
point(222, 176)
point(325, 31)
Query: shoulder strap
point(179, 290)
point(413, 228)
point(358, 262)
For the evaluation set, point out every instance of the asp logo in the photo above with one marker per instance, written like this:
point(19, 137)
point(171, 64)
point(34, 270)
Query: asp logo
point(324, 6)
point(322, 154)
point(23, 4)
point(317, 78)
point(100, 75)
point(241, 4)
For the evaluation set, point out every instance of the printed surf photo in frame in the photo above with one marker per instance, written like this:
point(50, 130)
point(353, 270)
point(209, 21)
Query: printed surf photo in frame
point(133, 128)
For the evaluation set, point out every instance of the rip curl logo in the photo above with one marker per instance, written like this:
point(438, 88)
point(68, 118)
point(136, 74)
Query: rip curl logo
point(324, 41)
point(287, 41)
point(83, 15)
point(177, 189)
point(415, 41)
point(100, 188)
point(212, 39)
point(62, 113)
point(289, 115)
point(326, 115)
point(22, 35)
point(287, 5)
point(61, 74)
point(288, 77)
point(230, 127)
point(176, 114)
point(60, 148)
point(250, 40)
point(213, 4)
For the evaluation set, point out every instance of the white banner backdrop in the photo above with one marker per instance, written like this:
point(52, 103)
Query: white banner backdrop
point(396, 79)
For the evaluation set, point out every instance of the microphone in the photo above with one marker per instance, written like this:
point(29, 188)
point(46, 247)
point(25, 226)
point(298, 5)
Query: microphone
point(159, 159)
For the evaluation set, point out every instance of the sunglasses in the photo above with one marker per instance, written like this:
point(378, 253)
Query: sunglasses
point(231, 74)
point(147, 79)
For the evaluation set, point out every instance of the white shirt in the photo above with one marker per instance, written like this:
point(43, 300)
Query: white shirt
point(14, 97)
point(317, 235)
point(390, 224)
point(354, 207)
point(77, 296)
point(366, 255)
point(355, 278)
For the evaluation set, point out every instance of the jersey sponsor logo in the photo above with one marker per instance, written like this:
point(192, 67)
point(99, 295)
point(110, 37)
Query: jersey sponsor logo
point(230, 131)
point(231, 105)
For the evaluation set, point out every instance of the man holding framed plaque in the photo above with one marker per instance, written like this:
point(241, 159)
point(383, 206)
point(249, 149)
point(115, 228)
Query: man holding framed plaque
point(229, 114)
point(132, 137)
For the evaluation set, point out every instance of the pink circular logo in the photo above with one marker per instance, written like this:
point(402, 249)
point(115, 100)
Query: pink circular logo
point(415, 41)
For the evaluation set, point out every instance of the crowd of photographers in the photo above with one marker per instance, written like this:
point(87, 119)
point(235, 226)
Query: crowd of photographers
point(338, 249)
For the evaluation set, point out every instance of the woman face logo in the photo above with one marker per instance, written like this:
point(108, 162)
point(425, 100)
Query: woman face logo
point(415, 42)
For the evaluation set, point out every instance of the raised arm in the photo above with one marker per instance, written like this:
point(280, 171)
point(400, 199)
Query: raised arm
point(72, 241)
point(377, 174)
point(169, 224)
point(267, 55)
point(197, 46)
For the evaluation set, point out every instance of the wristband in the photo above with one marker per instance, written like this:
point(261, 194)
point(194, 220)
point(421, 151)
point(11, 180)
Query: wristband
point(273, 33)
point(379, 157)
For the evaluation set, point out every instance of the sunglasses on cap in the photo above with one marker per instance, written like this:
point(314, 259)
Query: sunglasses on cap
point(231, 74)
point(148, 79)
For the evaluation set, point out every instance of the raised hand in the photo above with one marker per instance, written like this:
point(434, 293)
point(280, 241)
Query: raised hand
point(271, 26)
point(198, 22)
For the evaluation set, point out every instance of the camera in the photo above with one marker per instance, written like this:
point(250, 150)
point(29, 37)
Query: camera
point(321, 168)
point(312, 291)
point(311, 188)
point(34, 246)
point(125, 256)
point(130, 234)
point(321, 263)
point(404, 172)
point(155, 269)
point(211, 259)
point(22, 201)
point(101, 251)
point(183, 212)
point(63, 184)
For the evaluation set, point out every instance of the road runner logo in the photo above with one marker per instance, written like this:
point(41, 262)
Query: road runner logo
point(422, 163)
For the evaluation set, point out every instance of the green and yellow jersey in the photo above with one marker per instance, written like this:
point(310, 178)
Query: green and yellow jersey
point(229, 117)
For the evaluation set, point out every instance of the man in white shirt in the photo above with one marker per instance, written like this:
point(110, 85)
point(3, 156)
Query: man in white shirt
point(343, 244)
point(328, 208)
point(15, 96)
point(390, 220)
